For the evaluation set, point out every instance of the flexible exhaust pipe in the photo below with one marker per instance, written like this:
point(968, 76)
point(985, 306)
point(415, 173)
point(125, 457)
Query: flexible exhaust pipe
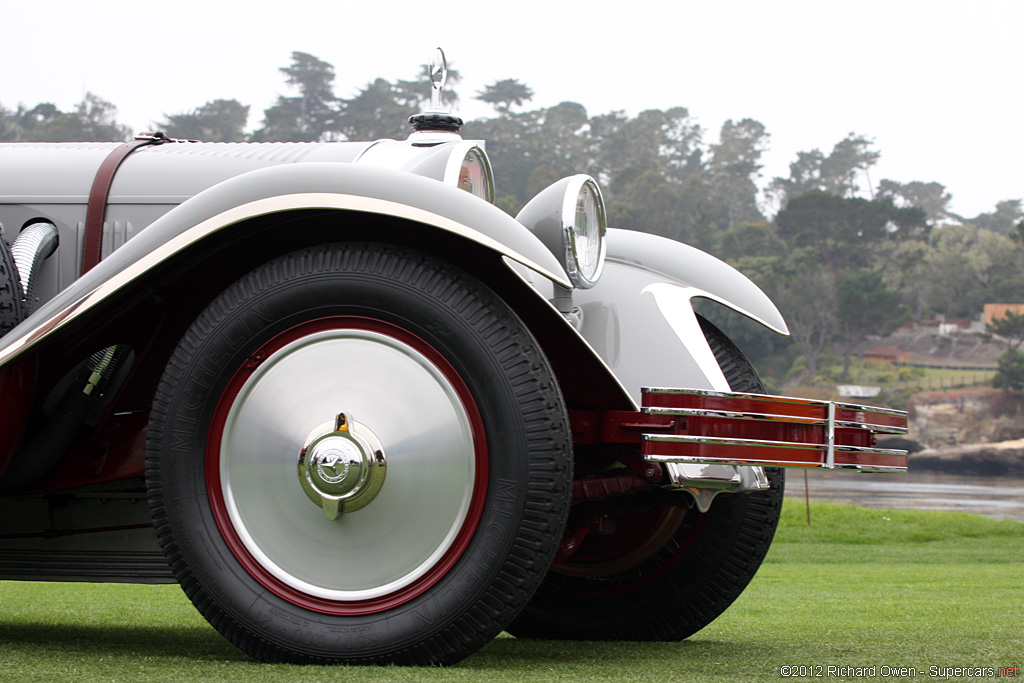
point(33, 246)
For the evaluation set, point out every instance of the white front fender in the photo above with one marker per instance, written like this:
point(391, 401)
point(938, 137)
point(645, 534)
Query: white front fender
point(640, 318)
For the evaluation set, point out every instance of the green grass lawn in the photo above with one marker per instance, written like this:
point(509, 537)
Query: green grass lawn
point(859, 588)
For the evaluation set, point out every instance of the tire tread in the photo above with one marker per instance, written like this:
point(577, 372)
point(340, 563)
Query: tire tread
point(544, 422)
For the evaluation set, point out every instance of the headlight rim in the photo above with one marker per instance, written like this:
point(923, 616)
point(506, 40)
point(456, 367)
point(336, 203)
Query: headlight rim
point(570, 200)
point(457, 160)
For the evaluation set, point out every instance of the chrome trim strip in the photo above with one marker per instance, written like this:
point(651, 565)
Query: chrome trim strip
point(771, 417)
point(723, 441)
point(862, 408)
point(871, 409)
point(732, 394)
point(830, 438)
point(260, 207)
point(778, 463)
point(730, 415)
point(367, 149)
point(830, 406)
point(872, 468)
point(884, 429)
point(870, 451)
point(759, 443)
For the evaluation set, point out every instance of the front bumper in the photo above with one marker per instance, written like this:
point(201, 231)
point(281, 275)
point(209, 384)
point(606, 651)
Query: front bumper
point(711, 442)
point(719, 428)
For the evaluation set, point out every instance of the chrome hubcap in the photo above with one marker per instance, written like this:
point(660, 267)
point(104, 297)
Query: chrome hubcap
point(407, 525)
point(342, 466)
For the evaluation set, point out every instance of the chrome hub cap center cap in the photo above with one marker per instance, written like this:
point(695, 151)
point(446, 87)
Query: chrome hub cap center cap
point(341, 466)
point(333, 459)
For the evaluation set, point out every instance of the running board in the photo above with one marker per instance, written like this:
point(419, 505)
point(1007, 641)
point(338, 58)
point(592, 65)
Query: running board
point(774, 431)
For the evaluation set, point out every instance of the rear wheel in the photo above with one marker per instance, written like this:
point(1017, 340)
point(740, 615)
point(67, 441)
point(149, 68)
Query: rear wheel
point(660, 570)
point(358, 454)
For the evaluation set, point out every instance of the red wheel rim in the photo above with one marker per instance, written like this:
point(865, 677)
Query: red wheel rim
point(648, 568)
point(466, 526)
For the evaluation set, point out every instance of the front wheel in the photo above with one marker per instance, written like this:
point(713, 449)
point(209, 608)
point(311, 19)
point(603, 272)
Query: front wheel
point(358, 454)
point(661, 570)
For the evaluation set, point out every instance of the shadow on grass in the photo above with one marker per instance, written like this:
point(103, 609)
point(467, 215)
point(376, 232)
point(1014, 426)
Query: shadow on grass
point(506, 651)
point(185, 642)
point(202, 643)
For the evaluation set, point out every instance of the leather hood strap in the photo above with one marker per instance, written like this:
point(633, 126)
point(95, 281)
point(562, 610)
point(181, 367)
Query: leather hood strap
point(97, 208)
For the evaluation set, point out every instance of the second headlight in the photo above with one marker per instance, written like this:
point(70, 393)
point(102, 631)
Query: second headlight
point(569, 218)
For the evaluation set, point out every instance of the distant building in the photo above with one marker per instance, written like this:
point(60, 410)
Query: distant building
point(858, 391)
point(996, 311)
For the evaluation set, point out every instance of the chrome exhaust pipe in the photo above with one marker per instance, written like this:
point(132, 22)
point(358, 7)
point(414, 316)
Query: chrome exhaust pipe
point(33, 246)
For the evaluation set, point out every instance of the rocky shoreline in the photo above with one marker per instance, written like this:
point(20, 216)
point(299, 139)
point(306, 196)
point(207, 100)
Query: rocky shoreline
point(1001, 459)
point(970, 434)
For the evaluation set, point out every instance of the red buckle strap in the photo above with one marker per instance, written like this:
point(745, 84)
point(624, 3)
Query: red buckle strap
point(97, 208)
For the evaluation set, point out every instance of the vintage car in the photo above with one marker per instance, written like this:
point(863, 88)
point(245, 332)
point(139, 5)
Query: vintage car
point(362, 415)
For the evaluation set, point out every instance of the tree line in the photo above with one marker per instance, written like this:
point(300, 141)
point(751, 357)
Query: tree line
point(840, 265)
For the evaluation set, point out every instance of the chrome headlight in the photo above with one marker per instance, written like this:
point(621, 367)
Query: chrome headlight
point(471, 171)
point(463, 165)
point(569, 218)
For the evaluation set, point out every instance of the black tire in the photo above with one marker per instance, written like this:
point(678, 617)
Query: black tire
point(11, 297)
point(662, 574)
point(440, 376)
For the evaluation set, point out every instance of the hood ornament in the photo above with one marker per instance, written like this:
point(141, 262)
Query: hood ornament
point(438, 72)
point(436, 119)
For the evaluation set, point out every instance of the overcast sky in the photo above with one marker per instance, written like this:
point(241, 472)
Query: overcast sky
point(936, 84)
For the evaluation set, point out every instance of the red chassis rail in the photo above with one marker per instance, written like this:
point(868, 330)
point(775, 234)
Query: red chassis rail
point(718, 428)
